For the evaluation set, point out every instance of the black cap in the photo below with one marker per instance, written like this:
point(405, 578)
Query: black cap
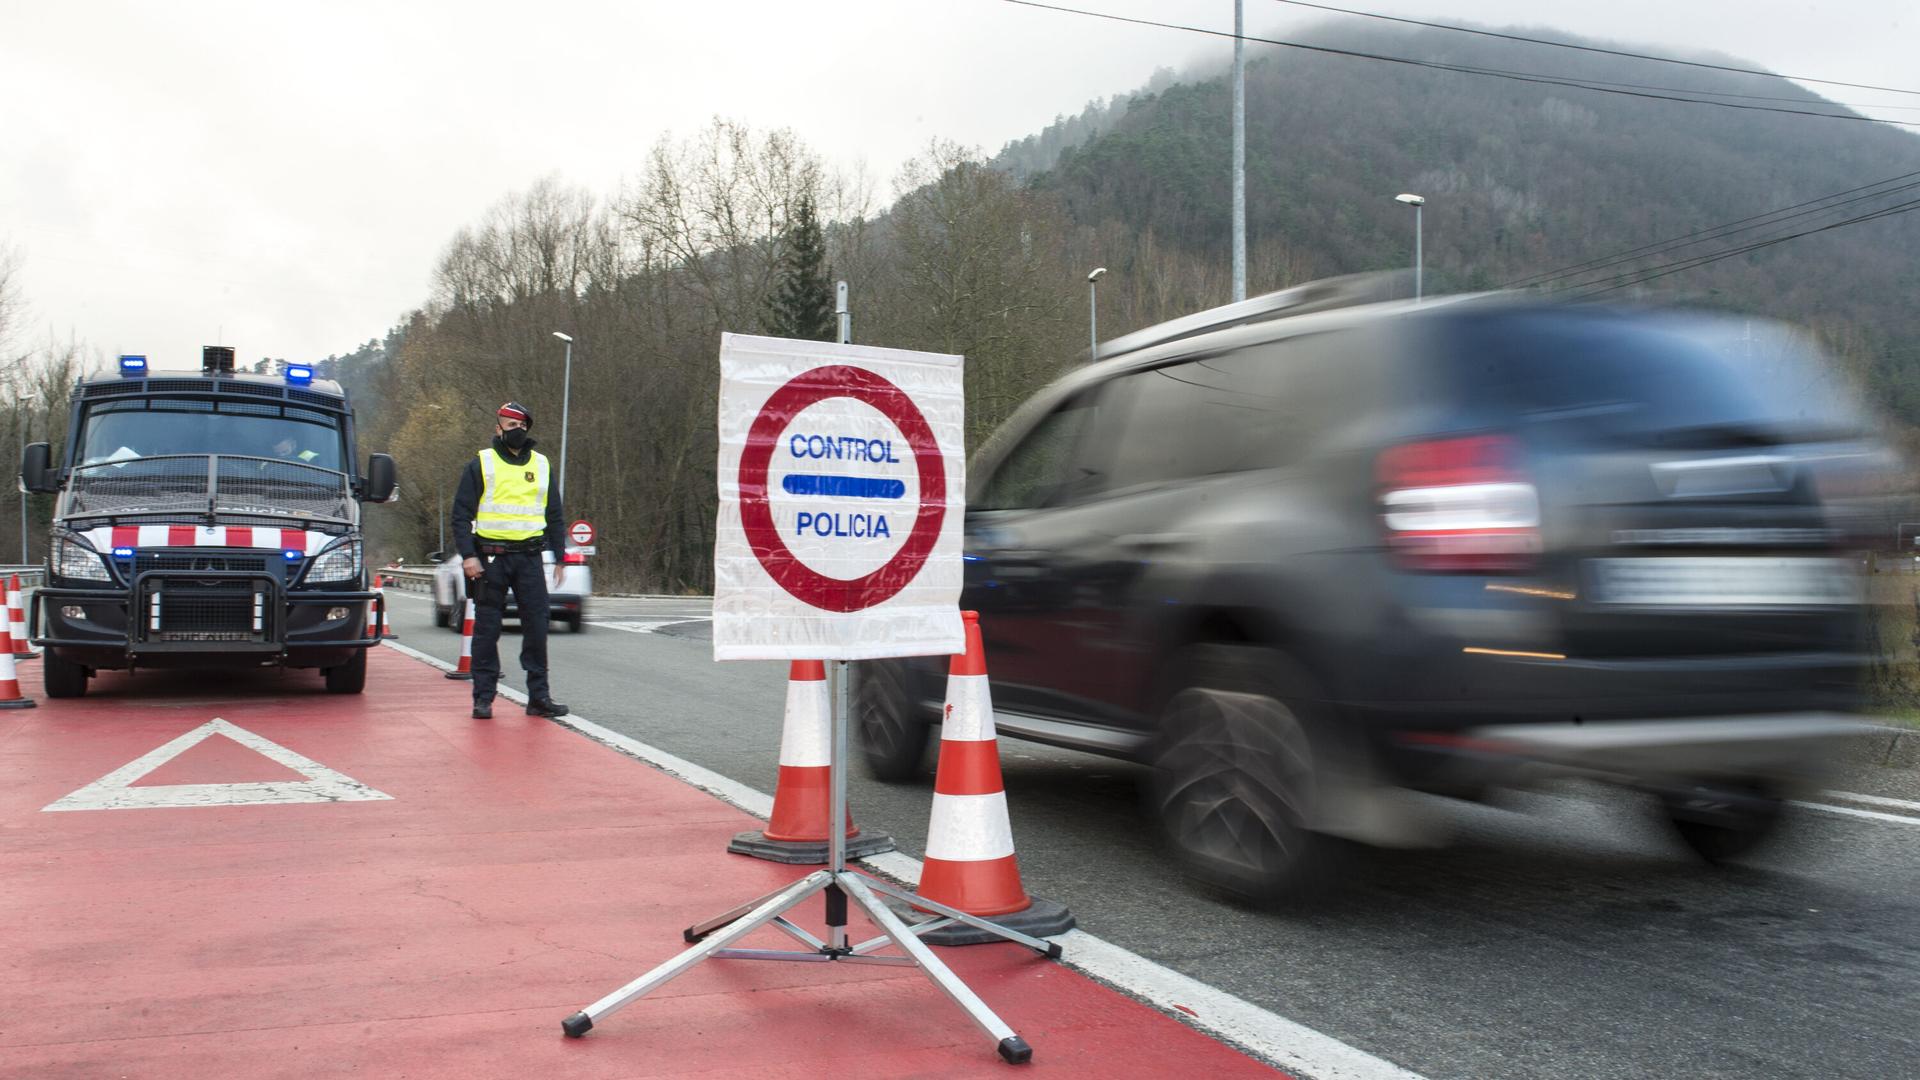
point(516, 411)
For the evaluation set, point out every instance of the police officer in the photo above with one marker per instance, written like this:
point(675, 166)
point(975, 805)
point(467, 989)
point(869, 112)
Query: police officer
point(506, 513)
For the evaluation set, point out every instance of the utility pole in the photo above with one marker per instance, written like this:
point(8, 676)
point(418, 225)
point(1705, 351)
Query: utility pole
point(26, 417)
point(1239, 151)
point(840, 309)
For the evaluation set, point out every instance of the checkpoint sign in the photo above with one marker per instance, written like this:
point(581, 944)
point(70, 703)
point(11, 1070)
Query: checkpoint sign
point(581, 533)
point(842, 479)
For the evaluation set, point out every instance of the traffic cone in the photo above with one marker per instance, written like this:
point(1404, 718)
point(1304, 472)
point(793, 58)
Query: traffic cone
point(970, 864)
point(802, 800)
point(464, 671)
point(17, 619)
point(380, 582)
point(10, 695)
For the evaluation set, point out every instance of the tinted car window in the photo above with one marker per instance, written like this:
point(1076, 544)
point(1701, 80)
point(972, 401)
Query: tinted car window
point(1038, 470)
point(1615, 375)
point(1199, 418)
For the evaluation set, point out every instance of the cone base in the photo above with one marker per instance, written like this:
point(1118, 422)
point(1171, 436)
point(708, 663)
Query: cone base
point(19, 703)
point(1042, 918)
point(988, 888)
point(463, 676)
point(807, 852)
point(20, 657)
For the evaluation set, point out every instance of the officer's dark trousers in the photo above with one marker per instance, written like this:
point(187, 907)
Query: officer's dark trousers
point(522, 572)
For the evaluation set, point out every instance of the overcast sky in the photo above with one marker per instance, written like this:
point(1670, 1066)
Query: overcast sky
point(283, 177)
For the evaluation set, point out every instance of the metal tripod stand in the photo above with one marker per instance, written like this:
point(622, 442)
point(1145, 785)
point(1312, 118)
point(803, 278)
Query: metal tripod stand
point(714, 938)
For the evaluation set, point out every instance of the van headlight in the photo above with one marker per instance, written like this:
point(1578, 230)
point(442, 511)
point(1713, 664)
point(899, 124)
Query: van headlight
point(75, 560)
point(341, 562)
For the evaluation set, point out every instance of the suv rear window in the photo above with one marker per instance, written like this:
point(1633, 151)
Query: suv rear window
point(1615, 373)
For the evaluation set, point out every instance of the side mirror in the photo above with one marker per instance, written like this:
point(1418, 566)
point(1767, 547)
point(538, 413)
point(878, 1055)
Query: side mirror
point(383, 479)
point(436, 556)
point(37, 474)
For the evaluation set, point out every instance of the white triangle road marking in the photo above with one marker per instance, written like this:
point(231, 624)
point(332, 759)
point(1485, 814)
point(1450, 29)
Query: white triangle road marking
point(114, 791)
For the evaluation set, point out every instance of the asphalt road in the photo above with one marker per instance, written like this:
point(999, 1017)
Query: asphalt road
point(1565, 935)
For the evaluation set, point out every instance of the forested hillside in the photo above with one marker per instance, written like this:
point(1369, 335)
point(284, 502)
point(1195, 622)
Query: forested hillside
point(988, 257)
point(1521, 180)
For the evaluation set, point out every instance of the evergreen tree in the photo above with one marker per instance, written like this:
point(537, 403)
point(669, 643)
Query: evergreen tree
point(801, 305)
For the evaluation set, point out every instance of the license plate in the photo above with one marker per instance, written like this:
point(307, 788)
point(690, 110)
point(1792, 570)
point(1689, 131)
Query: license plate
point(1706, 582)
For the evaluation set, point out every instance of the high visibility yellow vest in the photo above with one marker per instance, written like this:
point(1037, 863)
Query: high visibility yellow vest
point(513, 498)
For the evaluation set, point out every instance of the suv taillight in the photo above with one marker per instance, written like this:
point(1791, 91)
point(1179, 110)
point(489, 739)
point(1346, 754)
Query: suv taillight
point(1459, 505)
point(573, 558)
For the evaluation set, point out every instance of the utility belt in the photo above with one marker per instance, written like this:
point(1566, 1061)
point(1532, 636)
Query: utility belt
point(509, 547)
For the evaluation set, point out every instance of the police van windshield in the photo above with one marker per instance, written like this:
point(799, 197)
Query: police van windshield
point(123, 430)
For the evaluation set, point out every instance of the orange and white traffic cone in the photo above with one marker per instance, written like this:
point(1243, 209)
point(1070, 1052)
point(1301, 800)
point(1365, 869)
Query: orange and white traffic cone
point(17, 620)
point(10, 695)
point(464, 671)
point(970, 864)
point(380, 583)
point(802, 801)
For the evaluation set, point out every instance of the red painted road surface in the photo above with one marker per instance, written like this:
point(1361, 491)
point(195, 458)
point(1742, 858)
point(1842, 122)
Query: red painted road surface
point(518, 872)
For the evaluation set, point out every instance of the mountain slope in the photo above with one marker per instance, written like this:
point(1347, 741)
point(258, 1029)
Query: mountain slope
point(1520, 178)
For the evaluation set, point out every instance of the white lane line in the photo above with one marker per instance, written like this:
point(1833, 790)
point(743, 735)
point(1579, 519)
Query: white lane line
point(635, 626)
point(1874, 800)
point(740, 795)
point(1870, 815)
point(1272, 1038)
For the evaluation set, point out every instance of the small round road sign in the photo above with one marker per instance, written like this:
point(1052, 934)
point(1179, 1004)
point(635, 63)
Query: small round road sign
point(756, 513)
point(581, 533)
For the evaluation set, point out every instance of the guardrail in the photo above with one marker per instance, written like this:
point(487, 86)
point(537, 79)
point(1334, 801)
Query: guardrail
point(409, 579)
point(31, 577)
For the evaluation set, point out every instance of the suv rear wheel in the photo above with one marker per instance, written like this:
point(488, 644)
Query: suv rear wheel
point(1719, 821)
point(1234, 771)
point(893, 737)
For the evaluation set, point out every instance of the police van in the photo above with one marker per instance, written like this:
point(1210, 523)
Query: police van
point(206, 519)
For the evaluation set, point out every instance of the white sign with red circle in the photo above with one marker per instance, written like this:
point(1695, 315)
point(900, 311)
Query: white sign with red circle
point(842, 486)
point(580, 532)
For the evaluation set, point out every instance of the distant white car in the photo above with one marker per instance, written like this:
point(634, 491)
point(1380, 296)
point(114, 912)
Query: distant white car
point(568, 602)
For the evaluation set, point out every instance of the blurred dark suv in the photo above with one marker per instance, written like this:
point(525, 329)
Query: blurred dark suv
point(1308, 553)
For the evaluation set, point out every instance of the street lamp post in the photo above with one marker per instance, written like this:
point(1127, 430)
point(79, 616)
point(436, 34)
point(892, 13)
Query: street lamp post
point(1093, 312)
point(440, 497)
point(25, 416)
point(566, 395)
point(1416, 202)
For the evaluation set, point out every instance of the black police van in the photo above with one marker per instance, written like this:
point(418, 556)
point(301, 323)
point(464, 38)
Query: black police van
point(208, 519)
point(1313, 553)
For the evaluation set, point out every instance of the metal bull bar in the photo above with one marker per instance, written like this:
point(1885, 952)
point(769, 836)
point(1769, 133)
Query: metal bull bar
point(136, 606)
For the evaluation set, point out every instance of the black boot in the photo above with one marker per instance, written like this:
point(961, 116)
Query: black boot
point(483, 710)
point(545, 706)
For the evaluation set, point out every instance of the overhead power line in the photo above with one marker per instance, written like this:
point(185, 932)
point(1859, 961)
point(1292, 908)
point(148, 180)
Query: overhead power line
point(1496, 73)
point(1595, 48)
point(1653, 272)
point(1781, 215)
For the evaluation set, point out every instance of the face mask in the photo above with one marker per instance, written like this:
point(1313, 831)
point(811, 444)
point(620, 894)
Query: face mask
point(515, 438)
